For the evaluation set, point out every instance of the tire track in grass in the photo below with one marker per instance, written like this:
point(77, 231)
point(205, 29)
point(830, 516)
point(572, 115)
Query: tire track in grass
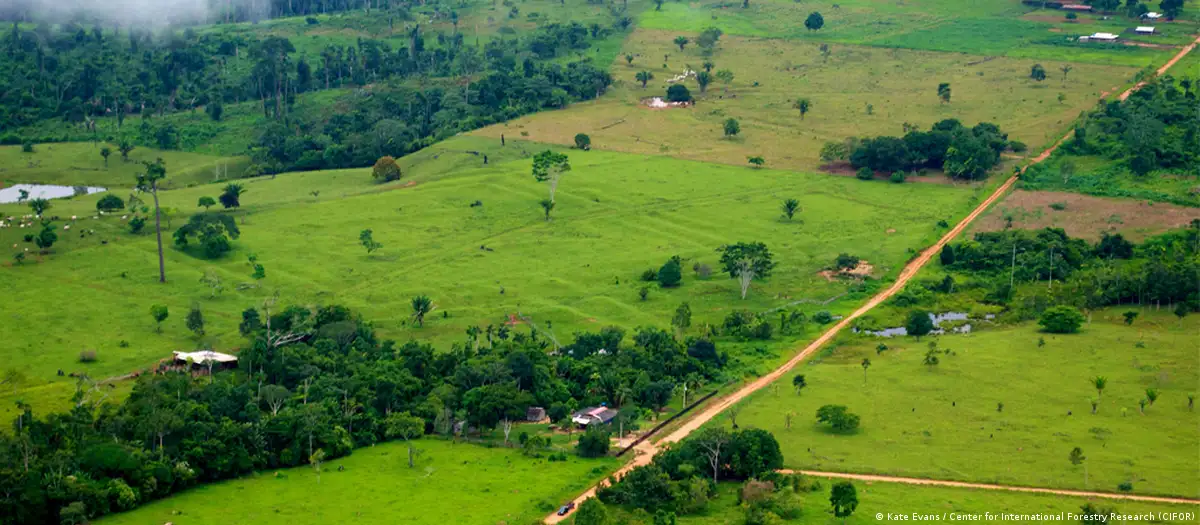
point(645, 451)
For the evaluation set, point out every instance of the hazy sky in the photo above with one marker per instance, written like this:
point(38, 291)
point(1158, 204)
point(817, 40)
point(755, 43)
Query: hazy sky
point(127, 12)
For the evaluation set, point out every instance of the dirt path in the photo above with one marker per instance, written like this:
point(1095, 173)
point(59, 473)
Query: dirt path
point(646, 450)
point(989, 486)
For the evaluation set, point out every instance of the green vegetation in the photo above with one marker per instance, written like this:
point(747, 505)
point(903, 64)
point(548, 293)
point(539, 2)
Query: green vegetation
point(910, 414)
point(472, 483)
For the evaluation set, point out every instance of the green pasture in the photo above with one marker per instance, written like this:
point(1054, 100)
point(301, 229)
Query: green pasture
point(980, 28)
point(451, 483)
point(80, 163)
point(617, 215)
point(856, 91)
point(910, 501)
point(1095, 175)
point(945, 422)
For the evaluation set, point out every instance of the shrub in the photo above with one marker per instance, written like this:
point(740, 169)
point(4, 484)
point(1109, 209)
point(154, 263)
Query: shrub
point(865, 173)
point(897, 177)
point(110, 202)
point(649, 274)
point(846, 261)
point(762, 330)
point(27, 147)
point(1125, 486)
point(311, 21)
point(670, 275)
point(583, 142)
point(822, 317)
point(838, 417)
point(87, 356)
point(1058, 206)
point(703, 271)
point(1061, 320)
point(136, 224)
point(1018, 146)
point(385, 169)
point(678, 93)
point(28, 237)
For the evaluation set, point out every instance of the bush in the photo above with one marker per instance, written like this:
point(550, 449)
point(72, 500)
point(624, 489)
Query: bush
point(87, 356)
point(593, 443)
point(312, 21)
point(385, 169)
point(897, 177)
point(1018, 146)
point(822, 317)
point(846, 261)
point(670, 275)
point(27, 147)
point(678, 93)
point(110, 202)
point(583, 142)
point(1061, 320)
point(703, 271)
point(649, 274)
point(838, 417)
point(28, 237)
point(136, 224)
point(1125, 486)
point(865, 173)
point(762, 330)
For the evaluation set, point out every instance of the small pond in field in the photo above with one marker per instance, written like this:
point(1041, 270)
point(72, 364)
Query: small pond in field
point(44, 191)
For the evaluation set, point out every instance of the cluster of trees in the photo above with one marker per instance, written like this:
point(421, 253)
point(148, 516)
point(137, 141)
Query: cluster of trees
point(316, 383)
point(1154, 129)
point(959, 151)
point(1162, 270)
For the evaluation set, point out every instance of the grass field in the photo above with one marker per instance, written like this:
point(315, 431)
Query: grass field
point(80, 163)
point(1084, 216)
point(937, 503)
point(771, 74)
point(981, 28)
point(452, 483)
point(943, 422)
point(617, 215)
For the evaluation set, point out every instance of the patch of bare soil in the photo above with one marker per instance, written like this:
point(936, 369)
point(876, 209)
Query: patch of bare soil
point(1085, 216)
point(862, 271)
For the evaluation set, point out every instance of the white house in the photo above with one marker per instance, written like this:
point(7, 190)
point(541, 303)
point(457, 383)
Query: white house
point(203, 358)
point(1152, 16)
point(1144, 30)
point(1103, 37)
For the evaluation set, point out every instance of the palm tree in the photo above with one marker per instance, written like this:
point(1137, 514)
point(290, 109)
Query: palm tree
point(644, 77)
point(866, 363)
point(1100, 382)
point(790, 207)
point(1151, 395)
point(802, 104)
point(421, 305)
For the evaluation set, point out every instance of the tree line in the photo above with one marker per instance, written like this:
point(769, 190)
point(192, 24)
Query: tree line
point(317, 383)
point(959, 151)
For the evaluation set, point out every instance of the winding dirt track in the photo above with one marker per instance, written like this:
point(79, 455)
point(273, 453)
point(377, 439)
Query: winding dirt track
point(646, 450)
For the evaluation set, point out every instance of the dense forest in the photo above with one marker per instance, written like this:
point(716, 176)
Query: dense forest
point(319, 380)
point(412, 95)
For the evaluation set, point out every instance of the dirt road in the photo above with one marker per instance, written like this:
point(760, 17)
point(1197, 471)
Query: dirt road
point(646, 450)
point(989, 486)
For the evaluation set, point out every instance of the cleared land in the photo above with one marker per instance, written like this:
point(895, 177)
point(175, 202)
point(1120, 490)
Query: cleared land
point(1085, 216)
point(1105, 177)
point(983, 28)
point(893, 498)
point(857, 91)
point(80, 163)
point(945, 421)
point(452, 483)
point(617, 215)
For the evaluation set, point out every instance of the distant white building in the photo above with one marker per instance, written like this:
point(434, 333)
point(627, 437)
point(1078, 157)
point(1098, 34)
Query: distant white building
point(203, 358)
point(1145, 30)
point(1103, 37)
point(1152, 16)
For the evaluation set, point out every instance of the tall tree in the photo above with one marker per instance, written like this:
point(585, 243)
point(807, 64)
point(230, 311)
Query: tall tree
point(148, 181)
point(844, 499)
point(549, 166)
point(407, 427)
point(802, 104)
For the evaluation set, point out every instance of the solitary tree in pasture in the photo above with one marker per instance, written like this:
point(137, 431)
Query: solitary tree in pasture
point(681, 41)
point(1099, 382)
point(943, 92)
point(746, 262)
point(931, 359)
point(644, 77)
point(583, 142)
point(799, 383)
point(206, 202)
point(386, 169)
point(838, 417)
point(732, 128)
point(790, 207)
point(195, 320)
point(125, 147)
point(802, 104)
point(231, 196)
point(726, 78)
point(1065, 69)
point(703, 78)
point(549, 166)
point(547, 206)
point(919, 324)
point(421, 305)
point(148, 181)
point(1151, 395)
point(367, 239)
point(1038, 73)
point(814, 21)
point(1129, 316)
point(758, 161)
point(1077, 458)
point(678, 93)
point(629, 59)
point(708, 65)
point(159, 313)
point(844, 499)
point(105, 152)
point(316, 459)
point(46, 238)
point(866, 363)
point(39, 206)
point(407, 427)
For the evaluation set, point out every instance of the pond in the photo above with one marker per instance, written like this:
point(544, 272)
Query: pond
point(44, 191)
point(938, 319)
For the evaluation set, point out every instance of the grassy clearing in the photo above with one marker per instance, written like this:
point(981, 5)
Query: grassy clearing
point(943, 422)
point(1084, 216)
point(1101, 176)
point(80, 163)
point(771, 74)
point(463, 483)
point(981, 28)
point(617, 215)
point(895, 498)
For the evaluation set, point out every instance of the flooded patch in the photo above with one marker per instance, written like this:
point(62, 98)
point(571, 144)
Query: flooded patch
point(954, 324)
point(44, 191)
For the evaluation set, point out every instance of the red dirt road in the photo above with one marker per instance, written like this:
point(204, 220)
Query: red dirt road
point(646, 450)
